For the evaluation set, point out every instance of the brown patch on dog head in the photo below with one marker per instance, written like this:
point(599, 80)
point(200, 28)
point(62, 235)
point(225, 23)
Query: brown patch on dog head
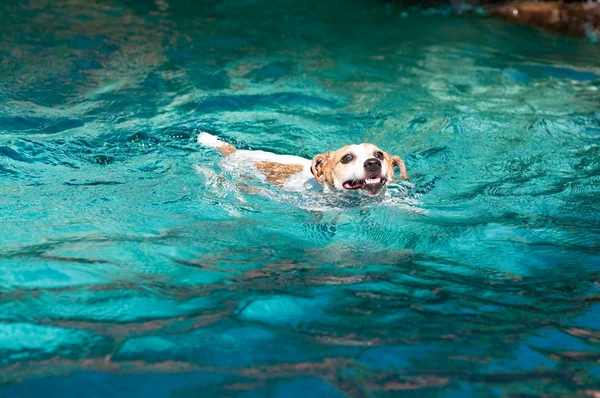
point(396, 161)
point(334, 166)
point(278, 173)
point(318, 166)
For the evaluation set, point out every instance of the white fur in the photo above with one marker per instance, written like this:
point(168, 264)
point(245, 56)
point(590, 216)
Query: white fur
point(240, 159)
point(210, 140)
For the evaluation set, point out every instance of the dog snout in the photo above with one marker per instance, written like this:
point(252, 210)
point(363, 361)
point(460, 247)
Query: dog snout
point(372, 165)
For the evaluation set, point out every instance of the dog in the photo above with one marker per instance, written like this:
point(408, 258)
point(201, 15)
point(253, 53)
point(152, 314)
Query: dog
point(363, 167)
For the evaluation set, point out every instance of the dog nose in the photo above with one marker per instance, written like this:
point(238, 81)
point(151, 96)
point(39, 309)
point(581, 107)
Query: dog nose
point(372, 164)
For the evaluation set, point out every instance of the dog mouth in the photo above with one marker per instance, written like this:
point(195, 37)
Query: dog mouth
point(372, 185)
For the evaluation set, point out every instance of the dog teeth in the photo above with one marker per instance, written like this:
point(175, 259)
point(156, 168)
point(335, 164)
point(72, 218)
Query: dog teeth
point(372, 180)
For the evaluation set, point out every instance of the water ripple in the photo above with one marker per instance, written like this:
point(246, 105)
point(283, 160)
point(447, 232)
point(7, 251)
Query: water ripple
point(133, 262)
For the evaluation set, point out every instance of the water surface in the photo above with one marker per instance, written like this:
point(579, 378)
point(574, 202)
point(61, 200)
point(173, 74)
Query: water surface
point(132, 265)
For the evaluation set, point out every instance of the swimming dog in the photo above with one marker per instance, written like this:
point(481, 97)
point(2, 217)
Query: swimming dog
point(363, 167)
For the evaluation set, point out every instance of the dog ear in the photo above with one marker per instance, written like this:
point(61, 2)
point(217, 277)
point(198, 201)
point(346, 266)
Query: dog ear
point(398, 162)
point(318, 164)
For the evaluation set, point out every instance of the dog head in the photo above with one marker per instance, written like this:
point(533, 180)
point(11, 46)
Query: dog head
point(354, 167)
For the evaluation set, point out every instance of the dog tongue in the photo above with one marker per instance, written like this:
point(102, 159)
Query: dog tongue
point(351, 185)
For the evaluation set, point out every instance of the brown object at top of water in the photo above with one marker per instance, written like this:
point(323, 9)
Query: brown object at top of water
point(576, 19)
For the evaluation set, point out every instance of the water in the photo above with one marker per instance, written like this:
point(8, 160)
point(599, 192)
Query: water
point(131, 265)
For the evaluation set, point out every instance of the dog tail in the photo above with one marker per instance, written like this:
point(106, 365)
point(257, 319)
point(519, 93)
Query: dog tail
point(212, 141)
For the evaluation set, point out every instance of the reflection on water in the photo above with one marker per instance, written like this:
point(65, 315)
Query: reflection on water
point(132, 265)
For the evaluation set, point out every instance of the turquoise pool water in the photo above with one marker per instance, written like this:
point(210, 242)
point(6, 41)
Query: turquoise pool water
point(131, 265)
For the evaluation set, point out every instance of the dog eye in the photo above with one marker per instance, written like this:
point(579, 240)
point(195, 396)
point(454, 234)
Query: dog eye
point(347, 159)
point(379, 155)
